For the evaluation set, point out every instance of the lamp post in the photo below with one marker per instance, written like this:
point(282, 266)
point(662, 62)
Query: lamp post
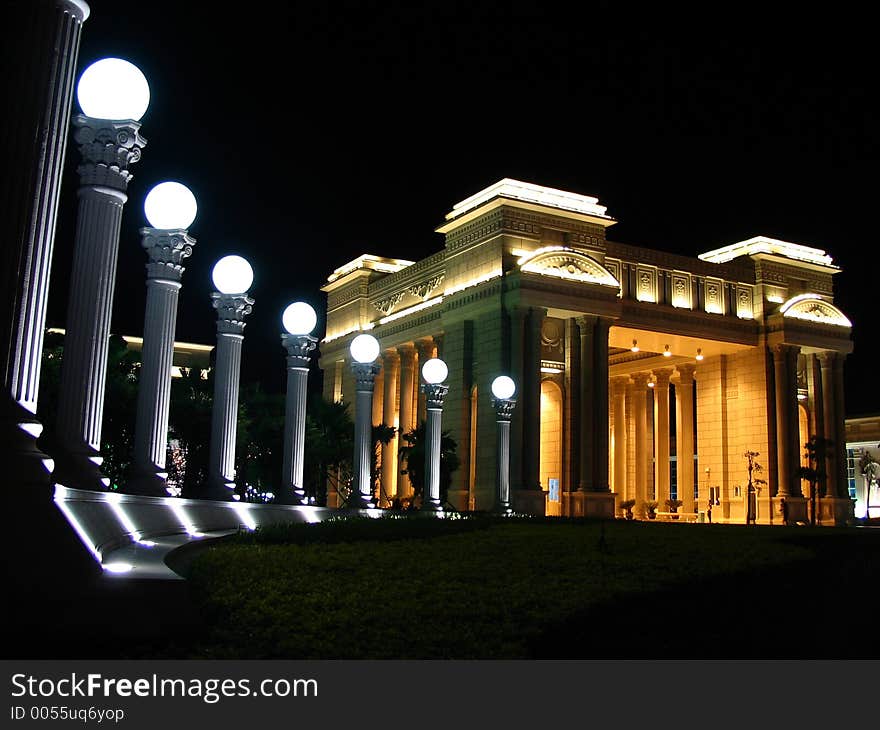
point(233, 277)
point(113, 95)
point(170, 209)
point(299, 320)
point(34, 147)
point(434, 371)
point(364, 351)
point(503, 389)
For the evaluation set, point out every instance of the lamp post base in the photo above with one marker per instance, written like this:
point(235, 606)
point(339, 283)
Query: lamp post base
point(291, 496)
point(359, 501)
point(148, 484)
point(219, 491)
point(80, 471)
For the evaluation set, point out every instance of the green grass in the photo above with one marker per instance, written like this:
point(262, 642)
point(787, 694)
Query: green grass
point(506, 589)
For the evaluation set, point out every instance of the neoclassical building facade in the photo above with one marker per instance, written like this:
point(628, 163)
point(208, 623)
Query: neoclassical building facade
point(641, 375)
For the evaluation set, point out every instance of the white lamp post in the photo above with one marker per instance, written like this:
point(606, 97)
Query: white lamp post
point(233, 277)
point(434, 371)
point(364, 351)
point(299, 320)
point(170, 209)
point(35, 142)
point(503, 389)
point(114, 95)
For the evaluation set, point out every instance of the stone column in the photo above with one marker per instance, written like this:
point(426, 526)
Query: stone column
point(34, 149)
point(166, 250)
point(618, 394)
point(425, 349)
point(600, 407)
point(629, 411)
point(531, 401)
point(784, 394)
point(231, 311)
point(298, 348)
point(586, 447)
point(503, 411)
point(640, 406)
point(107, 148)
point(518, 430)
point(434, 395)
point(408, 376)
point(362, 485)
point(661, 434)
point(388, 477)
point(684, 435)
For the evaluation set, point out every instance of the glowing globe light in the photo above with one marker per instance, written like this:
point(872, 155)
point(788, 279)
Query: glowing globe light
point(299, 318)
point(113, 89)
point(364, 348)
point(232, 275)
point(434, 371)
point(503, 387)
point(170, 205)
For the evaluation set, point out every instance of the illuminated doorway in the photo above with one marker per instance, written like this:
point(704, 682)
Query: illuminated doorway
point(551, 446)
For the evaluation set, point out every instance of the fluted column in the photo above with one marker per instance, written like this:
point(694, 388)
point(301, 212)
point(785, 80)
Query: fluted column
point(684, 437)
point(35, 145)
point(661, 433)
point(298, 348)
point(618, 396)
point(640, 406)
point(587, 329)
point(426, 350)
point(503, 412)
point(785, 392)
point(165, 250)
point(388, 478)
point(434, 395)
point(407, 386)
point(600, 406)
point(531, 400)
point(629, 411)
point(231, 311)
point(107, 149)
point(362, 483)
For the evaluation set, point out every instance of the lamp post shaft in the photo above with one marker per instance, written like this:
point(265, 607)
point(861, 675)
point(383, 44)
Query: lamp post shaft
point(107, 149)
point(35, 149)
point(231, 311)
point(298, 348)
point(166, 250)
point(362, 488)
point(503, 412)
point(434, 395)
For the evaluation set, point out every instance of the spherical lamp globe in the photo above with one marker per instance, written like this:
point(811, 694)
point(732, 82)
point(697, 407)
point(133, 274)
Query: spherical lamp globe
point(232, 275)
point(364, 348)
point(113, 89)
point(299, 319)
point(434, 371)
point(170, 206)
point(503, 387)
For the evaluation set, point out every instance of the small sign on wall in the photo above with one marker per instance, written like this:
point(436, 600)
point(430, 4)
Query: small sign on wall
point(554, 489)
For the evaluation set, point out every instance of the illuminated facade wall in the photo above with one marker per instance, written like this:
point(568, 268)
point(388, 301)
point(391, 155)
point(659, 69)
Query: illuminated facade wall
point(528, 284)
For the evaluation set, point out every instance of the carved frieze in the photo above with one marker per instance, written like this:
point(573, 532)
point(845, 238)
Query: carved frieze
point(646, 283)
point(387, 305)
point(424, 289)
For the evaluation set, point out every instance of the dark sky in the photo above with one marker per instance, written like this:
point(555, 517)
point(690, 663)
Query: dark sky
point(313, 132)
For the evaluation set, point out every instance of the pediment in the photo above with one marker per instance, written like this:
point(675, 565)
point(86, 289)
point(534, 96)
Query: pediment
point(812, 308)
point(566, 263)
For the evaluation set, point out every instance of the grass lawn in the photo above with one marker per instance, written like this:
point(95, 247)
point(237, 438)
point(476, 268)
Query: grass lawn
point(520, 588)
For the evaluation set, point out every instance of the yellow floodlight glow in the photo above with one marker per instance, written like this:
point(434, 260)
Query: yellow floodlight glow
point(635, 346)
point(666, 352)
point(813, 308)
point(530, 193)
point(473, 282)
point(762, 244)
point(411, 310)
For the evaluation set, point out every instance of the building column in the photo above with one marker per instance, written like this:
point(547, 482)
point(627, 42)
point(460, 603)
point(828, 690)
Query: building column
point(531, 400)
point(518, 318)
point(618, 395)
point(36, 142)
point(586, 447)
point(600, 407)
point(388, 478)
point(684, 435)
point(640, 408)
point(630, 418)
point(407, 355)
point(425, 349)
point(661, 433)
point(785, 387)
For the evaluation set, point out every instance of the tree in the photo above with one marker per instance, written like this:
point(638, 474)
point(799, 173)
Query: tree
point(815, 451)
point(870, 469)
point(412, 456)
point(755, 468)
point(259, 439)
point(382, 435)
point(192, 398)
point(329, 447)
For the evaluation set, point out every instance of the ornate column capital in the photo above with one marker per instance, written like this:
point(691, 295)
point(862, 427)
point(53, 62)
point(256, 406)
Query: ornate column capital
point(686, 372)
point(165, 251)
point(231, 311)
point(618, 384)
point(107, 148)
point(425, 348)
point(503, 408)
point(663, 376)
point(390, 357)
point(298, 348)
point(364, 375)
point(434, 394)
point(586, 323)
point(407, 354)
point(826, 358)
point(640, 380)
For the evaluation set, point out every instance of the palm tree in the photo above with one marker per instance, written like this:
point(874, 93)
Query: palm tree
point(412, 457)
point(329, 447)
point(815, 451)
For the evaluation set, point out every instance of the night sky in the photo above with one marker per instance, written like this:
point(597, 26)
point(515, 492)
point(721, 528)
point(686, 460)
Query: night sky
point(313, 132)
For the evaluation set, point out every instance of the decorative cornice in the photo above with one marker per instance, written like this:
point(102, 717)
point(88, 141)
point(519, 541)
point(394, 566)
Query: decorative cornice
point(107, 148)
point(387, 305)
point(423, 289)
point(298, 348)
point(231, 311)
point(165, 250)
